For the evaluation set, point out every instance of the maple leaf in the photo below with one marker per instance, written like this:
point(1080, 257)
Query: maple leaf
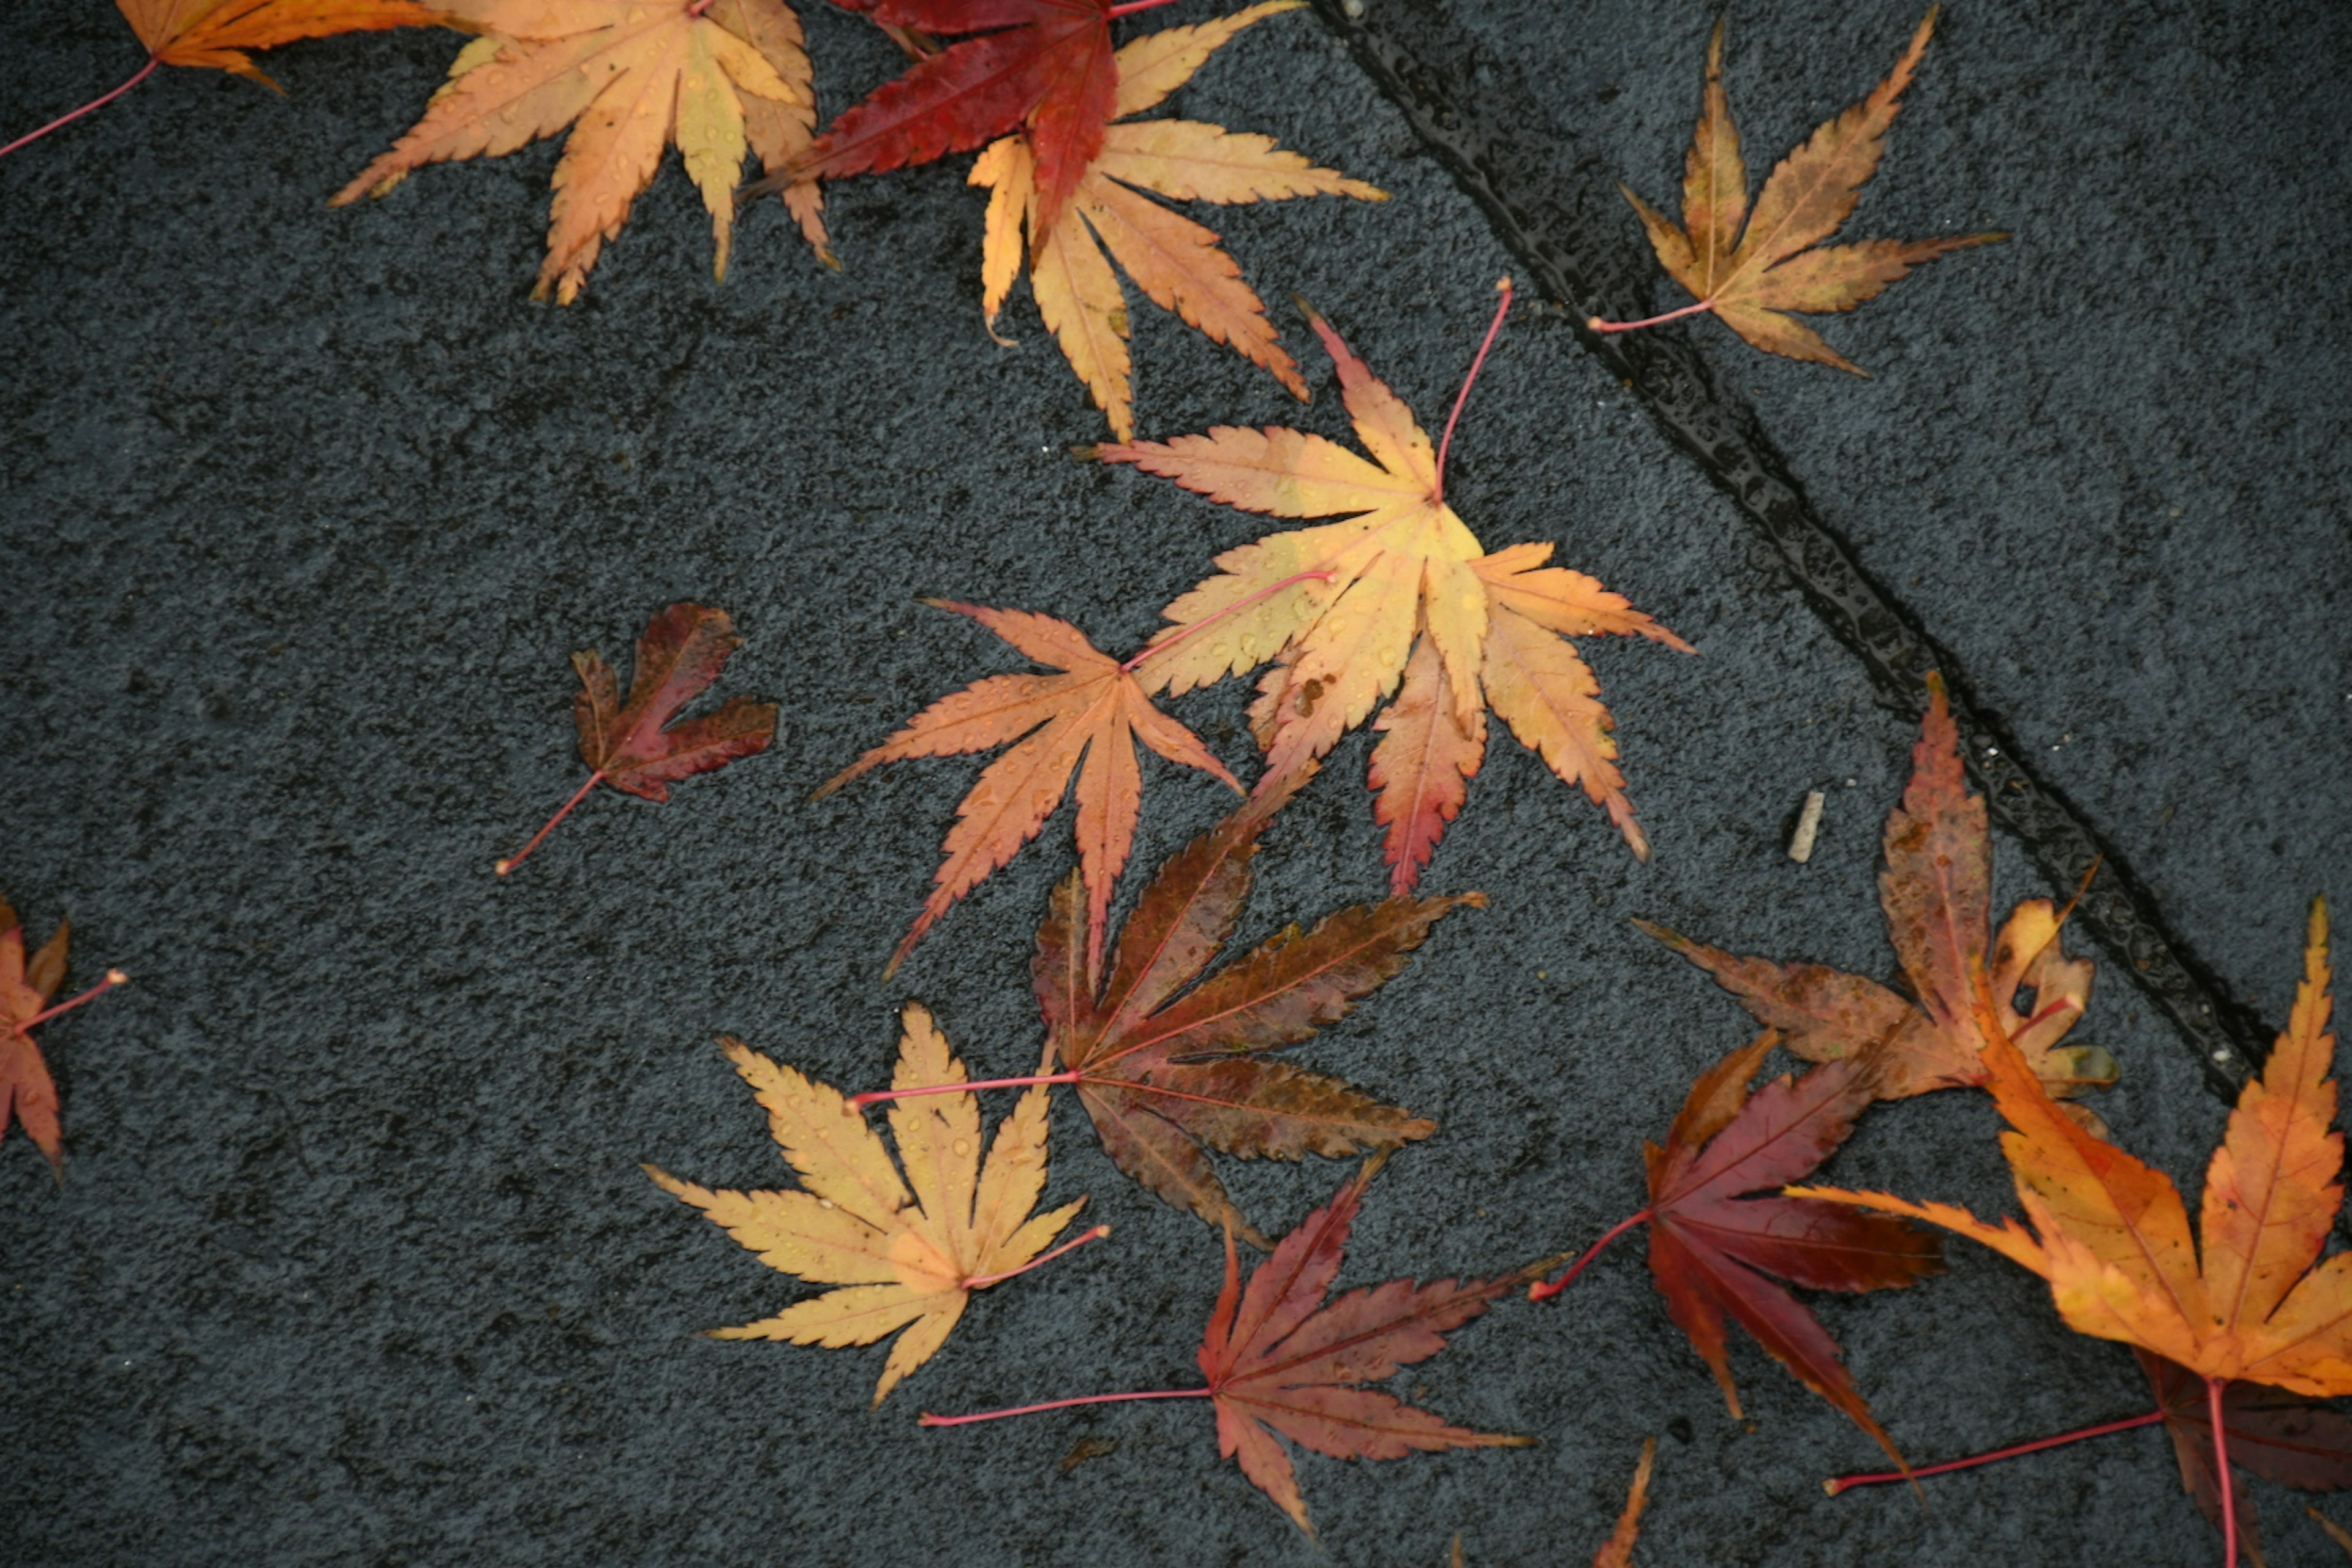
point(906, 1252)
point(1714, 1253)
point(27, 1090)
point(634, 746)
point(1086, 716)
point(717, 78)
point(1937, 891)
point(1402, 592)
point(2295, 1442)
point(1282, 1361)
point(1176, 262)
point(220, 34)
point(1617, 1551)
point(2111, 1235)
point(1751, 278)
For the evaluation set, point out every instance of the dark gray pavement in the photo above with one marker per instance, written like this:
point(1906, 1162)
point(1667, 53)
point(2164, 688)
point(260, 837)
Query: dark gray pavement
point(304, 509)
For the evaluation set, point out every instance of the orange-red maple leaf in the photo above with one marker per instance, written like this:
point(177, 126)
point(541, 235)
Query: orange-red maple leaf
point(1752, 277)
point(2111, 1235)
point(1085, 717)
point(1178, 264)
point(222, 35)
point(1716, 1252)
point(717, 78)
point(1283, 1361)
point(1937, 891)
point(27, 1090)
point(634, 746)
point(1401, 592)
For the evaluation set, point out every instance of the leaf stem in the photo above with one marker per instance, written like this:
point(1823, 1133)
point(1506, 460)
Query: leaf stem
point(2213, 1387)
point(114, 977)
point(1132, 6)
point(876, 1097)
point(1164, 644)
point(977, 1280)
point(144, 72)
point(579, 794)
point(1542, 1292)
point(1444, 442)
point(930, 1420)
point(1837, 1484)
point(1596, 324)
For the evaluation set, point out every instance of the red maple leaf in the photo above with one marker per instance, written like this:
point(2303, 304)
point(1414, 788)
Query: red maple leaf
point(27, 1090)
point(1285, 1363)
point(634, 746)
point(1715, 1253)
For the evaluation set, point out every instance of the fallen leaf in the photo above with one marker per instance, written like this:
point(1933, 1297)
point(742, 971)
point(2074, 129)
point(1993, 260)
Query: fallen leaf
point(1283, 1361)
point(2336, 1532)
point(1175, 261)
point(1714, 1253)
point(1401, 592)
point(1086, 716)
point(717, 78)
point(1937, 891)
point(220, 34)
point(1617, 1551)
point(2295, 1442)
point(634, 746)
point(1751, 278)
point(2111, 1235)
point(26, 1092)
point(907, 1252)
point(1165, 1073)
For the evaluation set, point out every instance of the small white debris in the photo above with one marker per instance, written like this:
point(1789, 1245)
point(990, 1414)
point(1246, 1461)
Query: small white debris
point(1355, 9)
point(1809, 826)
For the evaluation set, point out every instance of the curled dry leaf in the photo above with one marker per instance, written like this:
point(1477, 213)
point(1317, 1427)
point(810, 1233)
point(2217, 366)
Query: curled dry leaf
point(1176, 262)
point(715, 78)
point(1717, 1253)
point(1285, 1361)
point(27, 1093)
point(1402, 592)
point(1937, 891)
point(1751, 276)
point(634, 746)
point(908, 1253)
point(1084, 718)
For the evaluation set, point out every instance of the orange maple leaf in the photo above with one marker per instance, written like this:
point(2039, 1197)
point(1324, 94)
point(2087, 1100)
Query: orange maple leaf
point(717, 78)
point(1937, 891)
point(1750, 278)
point(219, 34)
point(2111, 1235)
point(1175, 261)
point(25, 986)
point(1399, 591)
point(1087, 716)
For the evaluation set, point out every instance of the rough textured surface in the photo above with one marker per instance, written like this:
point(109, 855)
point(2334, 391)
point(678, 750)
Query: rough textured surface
point(304, 509)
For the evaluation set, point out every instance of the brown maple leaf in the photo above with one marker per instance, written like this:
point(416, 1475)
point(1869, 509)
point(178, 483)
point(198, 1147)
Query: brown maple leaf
point(1165, 1073)
point(1401, 592)
point(221, 34)
point(1176, 262)
point(634, 746)
point(1283, 1361)
point(1751, 278)
point(717, 78)
point(1937, 891)
point(1715, 1252)
point(27, 1090)
point(1085, 717)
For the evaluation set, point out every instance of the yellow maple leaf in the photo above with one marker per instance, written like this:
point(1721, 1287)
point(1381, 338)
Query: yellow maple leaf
point(718, 78)
point(904, 1256)
point(1175, 261)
